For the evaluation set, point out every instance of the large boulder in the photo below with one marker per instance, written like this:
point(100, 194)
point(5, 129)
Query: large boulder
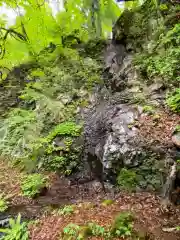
point(122, 144)
point(112, 138)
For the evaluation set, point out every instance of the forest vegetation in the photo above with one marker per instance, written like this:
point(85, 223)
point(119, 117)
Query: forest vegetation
point(70, 72)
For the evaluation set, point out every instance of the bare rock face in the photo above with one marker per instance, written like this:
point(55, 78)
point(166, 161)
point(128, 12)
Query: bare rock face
point(121, 145)
point(111, 137)
point(113, 142)
point(118, 65)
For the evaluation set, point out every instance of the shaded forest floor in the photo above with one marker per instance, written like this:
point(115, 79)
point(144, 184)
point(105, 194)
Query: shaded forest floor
point(150, 217)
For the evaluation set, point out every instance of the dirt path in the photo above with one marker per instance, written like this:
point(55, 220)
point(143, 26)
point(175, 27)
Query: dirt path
point(145, 207)
point(149, 216)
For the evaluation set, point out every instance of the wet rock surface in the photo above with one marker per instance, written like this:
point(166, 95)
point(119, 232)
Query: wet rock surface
point(114, 139)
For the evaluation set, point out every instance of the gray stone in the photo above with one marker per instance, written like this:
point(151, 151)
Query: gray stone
point(117, 144)
point(176, 139)
point(59, 142)
point(155, 87)
point(158, 96)
point(64, 98)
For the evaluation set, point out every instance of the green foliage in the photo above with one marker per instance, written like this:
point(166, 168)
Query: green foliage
point(64, 157)
point(33, 184)
point(16, 231)
point(55, 91)
point(173, 100)
point(163, 57)
point(107, 202)
point(127, 179)
point(66, 210)
point(177, 129)
point(71, 232)
point(14, 131)
point(55, 163)
point(37, 73)
point(149, 175)
point(65, 129)
point(48, 105)
point(38, 26)
point(122, 226)
point(26, 134)
point(75, 232)
point(148, 109)
point(97, 230)
point(178, 228)
point(3, 203)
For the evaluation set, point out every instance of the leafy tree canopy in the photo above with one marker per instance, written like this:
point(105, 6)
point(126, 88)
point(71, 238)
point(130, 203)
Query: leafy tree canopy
point(36, 26)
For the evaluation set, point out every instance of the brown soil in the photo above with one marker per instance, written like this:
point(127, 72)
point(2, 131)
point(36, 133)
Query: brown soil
point(158, 128)
point(149, 215)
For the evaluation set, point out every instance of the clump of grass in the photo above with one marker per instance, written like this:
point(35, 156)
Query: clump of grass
point(66, 210)
point(33, 184)
point(122, 226)
point(107, 202)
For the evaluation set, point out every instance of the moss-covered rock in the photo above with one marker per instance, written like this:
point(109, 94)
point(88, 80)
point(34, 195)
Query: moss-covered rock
point(50, 94)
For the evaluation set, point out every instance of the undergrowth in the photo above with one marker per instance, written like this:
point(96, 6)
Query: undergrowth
point(48, 105)
point(121, 227)
point(127, 180)
point(3, 203)
point(173, 100)
point(33, 185)
point(163, 57)
point(17, 230)
point(66, 210)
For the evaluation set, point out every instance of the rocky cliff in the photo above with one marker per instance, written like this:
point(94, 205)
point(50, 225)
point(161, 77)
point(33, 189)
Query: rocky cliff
point(129, 129)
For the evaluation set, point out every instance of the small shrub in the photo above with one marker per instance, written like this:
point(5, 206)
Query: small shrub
point(65, 129)
point(75, 232)
point(173, 100)
point(56, 162)
point(37, 73)
point(97, 230)
point(16, 231)
point(148, 109)
point(33, 185)
point(71, 231)
point(127, 179)
point(3, 204)
point(122, 226)
point(67, 210)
